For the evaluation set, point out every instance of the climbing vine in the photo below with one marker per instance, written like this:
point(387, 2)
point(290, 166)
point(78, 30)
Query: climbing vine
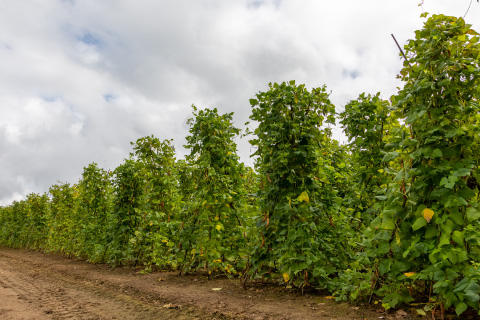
point(428, 234)
point(400, 199)
point(298, 219)
point(213, 231)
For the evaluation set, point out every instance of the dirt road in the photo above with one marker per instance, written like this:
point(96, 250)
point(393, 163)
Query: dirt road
point(48, 286)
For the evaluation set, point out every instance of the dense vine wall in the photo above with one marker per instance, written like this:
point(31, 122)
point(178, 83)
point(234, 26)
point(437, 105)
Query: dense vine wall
point(401, 199)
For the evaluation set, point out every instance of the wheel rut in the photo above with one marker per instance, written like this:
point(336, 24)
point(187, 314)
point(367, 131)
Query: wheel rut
point(37, 286)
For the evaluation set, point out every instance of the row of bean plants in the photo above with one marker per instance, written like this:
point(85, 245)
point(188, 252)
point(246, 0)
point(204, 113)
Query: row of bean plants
point(391, 216)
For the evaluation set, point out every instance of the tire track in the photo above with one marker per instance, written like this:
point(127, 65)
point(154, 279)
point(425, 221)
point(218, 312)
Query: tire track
point(49, 286)
point(58, 295)
point(56, 300)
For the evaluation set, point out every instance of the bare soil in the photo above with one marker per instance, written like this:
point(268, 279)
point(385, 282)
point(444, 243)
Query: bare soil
point(34, 285)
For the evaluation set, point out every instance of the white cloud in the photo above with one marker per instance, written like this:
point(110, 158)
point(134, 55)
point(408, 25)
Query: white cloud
point(80, 80)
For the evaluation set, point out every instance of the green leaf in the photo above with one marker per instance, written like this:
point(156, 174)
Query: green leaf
point(448, 182)
point(384, 247)
point(444, 239)
point(452, 257)
point(472, 297)
point(472, 214)
point(457, 237)
point(472, 286)
point(421, 312)
point(419, 223)
point(444, 82)
point(437, 153)
point(387, 223)
point(431, 232)
point(457, 218)
point(384, 266)
point(460, 308)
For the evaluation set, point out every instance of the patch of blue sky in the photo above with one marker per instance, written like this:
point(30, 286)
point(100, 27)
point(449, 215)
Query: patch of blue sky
point(50, 98)
point(91, 39)
point(109, 97)
point(352, 74)
point(255, 4)
point(6, 46)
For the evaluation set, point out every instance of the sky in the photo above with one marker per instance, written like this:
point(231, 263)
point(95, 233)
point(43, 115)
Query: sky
point(81, 79)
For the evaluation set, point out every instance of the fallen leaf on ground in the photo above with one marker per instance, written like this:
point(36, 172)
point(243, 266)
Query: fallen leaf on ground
point(400, 314)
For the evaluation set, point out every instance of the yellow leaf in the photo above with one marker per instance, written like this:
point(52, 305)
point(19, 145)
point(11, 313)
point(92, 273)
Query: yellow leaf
point(409, 274)
point(380, 170)
point(216, 218)
point(421, 312)
point(428, 214)
point(286, 277)
point(204, 202)
point(330, 297)
point(303, 197)
point(397, 238)
point(218, 227)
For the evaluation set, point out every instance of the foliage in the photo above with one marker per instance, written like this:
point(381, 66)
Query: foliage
point(297, 204)
point(63, 231)
point(213, 227)
point(128, 190)
point(37, 218)
point(186, 182)
point(401, 199)
point(157, 231)
point(94, 206)
point(367, 124)
point(428, 234)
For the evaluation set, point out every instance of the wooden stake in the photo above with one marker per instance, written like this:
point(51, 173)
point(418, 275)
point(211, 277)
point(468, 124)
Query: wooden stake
point(399, 48)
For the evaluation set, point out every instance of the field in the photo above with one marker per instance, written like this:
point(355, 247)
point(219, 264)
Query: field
point(390, 220)
point(49, 286)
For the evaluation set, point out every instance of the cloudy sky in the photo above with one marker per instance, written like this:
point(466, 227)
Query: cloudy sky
point(81, 79)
